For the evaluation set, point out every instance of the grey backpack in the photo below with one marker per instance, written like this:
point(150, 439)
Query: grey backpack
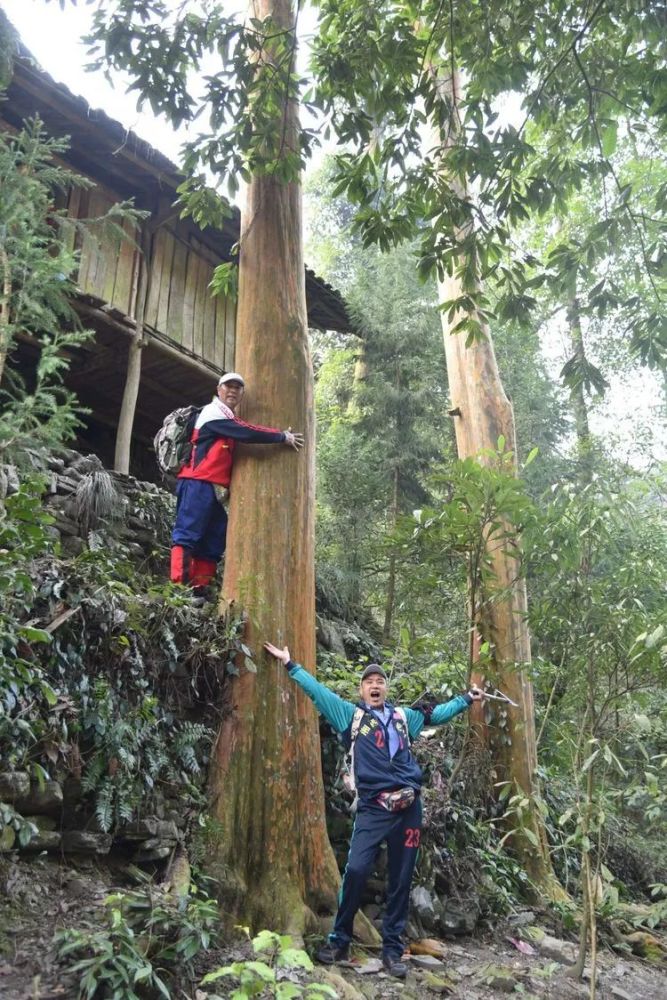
point(172, 442)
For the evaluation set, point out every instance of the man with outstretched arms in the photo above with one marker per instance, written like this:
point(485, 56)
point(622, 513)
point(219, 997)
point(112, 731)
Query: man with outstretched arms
point(200, 531)
point(388, 781)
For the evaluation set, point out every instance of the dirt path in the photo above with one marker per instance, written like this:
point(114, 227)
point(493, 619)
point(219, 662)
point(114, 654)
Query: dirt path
point(41, 896)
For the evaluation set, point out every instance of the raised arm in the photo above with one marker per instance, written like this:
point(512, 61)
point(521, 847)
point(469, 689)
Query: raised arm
point(338, 712)
point(439, 714)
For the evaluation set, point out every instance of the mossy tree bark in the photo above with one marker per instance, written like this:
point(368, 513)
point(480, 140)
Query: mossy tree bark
point(483, 414)
point(270, 846)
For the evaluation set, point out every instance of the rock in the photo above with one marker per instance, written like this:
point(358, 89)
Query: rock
point(370, 967)
point(427, 962)
point(555, 949)
point(344, 990)
point(83, 464)
point(620, 994)
point(86, 842)
point(438, 984)
point(167, 830)
point(524, 918)
point(498, 978)
point(42, 822)
point(72, 793)
point(329, 637)
point(465, 969)
point(44, 801)
point(174, 816)
point(372, 911)
point(459, 916)
point(44, 840)
point(375, 888)
point(647, 946)
point(422, 905)
point(14, 785)
point(412, 932)
point(72, 545)
point(77, 887)
point(7, 838)
point(140, 829)
point(157, 854)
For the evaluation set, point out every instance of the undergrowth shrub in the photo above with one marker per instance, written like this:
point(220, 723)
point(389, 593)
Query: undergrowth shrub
point(107, 676)
point(147, 947)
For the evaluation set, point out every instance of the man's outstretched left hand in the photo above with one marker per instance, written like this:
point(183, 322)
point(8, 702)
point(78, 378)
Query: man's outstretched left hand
point(280, 654)
point(476, 693)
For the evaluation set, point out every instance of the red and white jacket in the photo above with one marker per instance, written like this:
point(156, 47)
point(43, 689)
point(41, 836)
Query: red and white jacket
point(216, 432)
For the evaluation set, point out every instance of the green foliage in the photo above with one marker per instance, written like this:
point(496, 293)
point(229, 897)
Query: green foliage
point(381, 412)
point(105, 696)
point(581, 80)
point(147, 949)
point(262, 977)
point(243, 101)
point(225, 281)
point(23, 536)
point(23, 830)
point(481, 505)
point(132, 748)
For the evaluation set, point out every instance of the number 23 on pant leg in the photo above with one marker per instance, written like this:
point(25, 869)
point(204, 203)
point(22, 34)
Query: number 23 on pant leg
point(412, 837)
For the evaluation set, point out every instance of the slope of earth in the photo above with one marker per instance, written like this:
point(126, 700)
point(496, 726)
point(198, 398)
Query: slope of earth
point(40, 896)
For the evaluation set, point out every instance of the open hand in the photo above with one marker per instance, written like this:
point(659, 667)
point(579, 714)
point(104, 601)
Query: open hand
point(280, 654)
point(293, 439)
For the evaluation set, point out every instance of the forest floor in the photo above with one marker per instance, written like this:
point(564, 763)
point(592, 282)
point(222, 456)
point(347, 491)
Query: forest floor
point(42, 895)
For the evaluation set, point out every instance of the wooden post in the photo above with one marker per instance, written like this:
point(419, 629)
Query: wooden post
point(135, 350)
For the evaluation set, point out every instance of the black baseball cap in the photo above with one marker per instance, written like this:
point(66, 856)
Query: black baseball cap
point(373, 668)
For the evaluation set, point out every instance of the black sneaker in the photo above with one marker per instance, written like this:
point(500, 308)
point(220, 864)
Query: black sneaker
point(395, 967)
point(329, 954)
point(201, 596)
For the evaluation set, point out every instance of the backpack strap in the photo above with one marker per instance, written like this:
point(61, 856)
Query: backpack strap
point(357, 718)
point(400, 712)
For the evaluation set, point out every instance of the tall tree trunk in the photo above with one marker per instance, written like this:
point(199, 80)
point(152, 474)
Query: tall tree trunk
point(577, 394)
point(391, 579)
point(271, 849)
point(128, 405)
point(483, 414)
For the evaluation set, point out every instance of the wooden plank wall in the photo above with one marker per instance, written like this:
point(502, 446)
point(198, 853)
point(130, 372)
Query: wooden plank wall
point(179, 304)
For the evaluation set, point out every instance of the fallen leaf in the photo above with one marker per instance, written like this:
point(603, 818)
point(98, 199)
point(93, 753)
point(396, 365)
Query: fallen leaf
point(428, 946)
point(522, 946)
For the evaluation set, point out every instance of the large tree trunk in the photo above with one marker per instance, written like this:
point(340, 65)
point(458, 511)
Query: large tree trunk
point(391, 576)
point(482, 414)
point(271, 849)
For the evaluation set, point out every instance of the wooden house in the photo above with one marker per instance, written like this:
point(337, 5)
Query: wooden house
point(189, 335)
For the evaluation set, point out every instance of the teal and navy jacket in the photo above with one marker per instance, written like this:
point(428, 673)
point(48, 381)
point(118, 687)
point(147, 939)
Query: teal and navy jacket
point(375, 769)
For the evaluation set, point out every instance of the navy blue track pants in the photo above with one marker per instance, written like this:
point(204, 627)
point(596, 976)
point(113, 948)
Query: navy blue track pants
point(201, 521)
point(402, 832)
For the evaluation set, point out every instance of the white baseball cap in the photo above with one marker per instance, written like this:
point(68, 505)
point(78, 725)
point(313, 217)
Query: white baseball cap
point(231, 377)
